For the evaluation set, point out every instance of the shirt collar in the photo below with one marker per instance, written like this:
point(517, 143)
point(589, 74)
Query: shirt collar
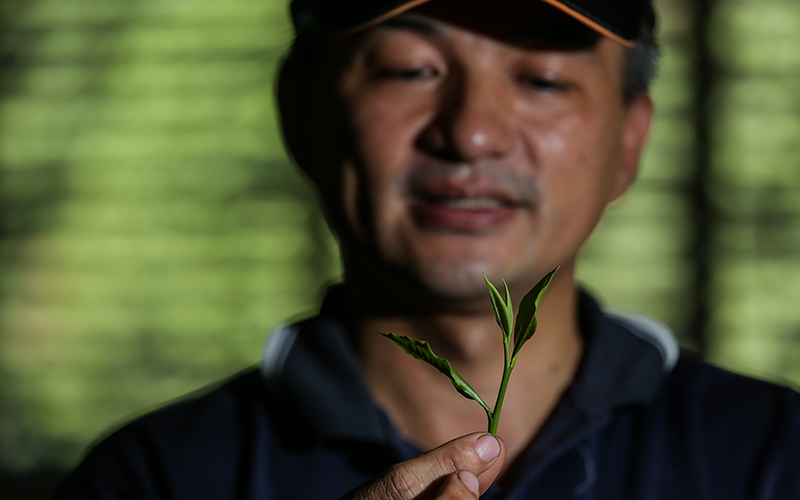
point(626, 355)
point(313, 364)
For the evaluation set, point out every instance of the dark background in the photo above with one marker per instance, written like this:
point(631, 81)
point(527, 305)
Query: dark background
point(152, 230)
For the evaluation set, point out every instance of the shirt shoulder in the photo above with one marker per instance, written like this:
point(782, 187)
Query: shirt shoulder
point(189, 449)
point(727, 401)
point(736, 435)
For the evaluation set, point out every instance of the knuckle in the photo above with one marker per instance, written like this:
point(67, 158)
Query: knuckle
point(403, 483)
point(449, 463)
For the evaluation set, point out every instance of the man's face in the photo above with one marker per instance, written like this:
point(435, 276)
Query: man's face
point(470, 143)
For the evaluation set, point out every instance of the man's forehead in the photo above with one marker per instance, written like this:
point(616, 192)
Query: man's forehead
point(620, 20)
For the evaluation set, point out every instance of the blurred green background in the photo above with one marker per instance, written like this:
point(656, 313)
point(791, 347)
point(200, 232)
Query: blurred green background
point(153, 230)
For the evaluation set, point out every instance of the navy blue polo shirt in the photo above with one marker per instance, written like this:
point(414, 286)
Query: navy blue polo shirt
point(638, 422)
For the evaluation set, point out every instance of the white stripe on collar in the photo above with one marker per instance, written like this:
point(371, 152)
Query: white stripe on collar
point(650, 330)
point(276, 350)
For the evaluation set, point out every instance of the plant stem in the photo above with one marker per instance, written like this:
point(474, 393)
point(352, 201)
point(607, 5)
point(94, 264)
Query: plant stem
point(495, 418)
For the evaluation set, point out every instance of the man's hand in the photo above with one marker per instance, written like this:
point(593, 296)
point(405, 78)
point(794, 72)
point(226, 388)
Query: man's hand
point(459, 470)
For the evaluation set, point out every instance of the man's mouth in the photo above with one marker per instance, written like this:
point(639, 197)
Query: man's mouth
point(472, 203)
point(468, 199)
point(462, 213)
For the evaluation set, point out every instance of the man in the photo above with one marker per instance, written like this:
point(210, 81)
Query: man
point(451, 139)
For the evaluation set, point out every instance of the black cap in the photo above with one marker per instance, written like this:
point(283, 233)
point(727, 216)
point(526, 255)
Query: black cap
point(620, 20)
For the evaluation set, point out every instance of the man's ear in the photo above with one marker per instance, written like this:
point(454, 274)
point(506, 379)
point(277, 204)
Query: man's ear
point(638, 117)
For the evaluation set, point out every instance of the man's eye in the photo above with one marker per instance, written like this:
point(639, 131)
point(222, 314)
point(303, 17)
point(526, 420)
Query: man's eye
point(408, 74)
point(544, 84)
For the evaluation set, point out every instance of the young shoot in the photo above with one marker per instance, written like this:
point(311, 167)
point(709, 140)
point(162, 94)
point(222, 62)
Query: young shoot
point(515, 334)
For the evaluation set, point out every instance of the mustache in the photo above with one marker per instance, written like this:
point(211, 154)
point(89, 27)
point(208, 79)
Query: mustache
point(521, 188)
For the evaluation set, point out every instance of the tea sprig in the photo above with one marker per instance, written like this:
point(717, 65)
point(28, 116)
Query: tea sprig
point(515, 334)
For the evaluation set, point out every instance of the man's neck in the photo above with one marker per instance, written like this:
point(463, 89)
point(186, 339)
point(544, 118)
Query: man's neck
point(423, 404)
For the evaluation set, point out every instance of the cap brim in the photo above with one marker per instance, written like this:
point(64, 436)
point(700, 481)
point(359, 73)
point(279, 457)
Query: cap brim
point(555, 3)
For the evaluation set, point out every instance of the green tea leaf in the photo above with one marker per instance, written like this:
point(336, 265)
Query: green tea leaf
point(503, 312)
point(509, 306)
point(422, 350)
point(526, 317)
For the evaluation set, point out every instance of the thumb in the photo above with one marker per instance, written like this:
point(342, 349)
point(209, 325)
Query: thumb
point(479, 453)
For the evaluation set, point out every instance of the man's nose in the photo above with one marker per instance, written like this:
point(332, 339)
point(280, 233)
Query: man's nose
point(474, 120)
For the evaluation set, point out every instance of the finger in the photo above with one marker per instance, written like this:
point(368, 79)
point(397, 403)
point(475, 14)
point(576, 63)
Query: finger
point(463, 485)
point(477, 453)
point(481, 454)
point(469, 481)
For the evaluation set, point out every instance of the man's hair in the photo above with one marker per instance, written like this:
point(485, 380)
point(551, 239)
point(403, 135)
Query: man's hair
point(641, 65)
point(639, 72)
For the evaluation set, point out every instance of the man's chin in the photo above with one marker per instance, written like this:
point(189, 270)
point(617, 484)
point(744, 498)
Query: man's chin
point(456, 283)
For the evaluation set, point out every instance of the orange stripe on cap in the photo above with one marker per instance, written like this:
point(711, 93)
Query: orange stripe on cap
point(555, 3)
point(592, 24)
point(394, 12)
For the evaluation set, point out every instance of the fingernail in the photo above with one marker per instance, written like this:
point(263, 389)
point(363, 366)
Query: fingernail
point(488, 447)
point(470, 481)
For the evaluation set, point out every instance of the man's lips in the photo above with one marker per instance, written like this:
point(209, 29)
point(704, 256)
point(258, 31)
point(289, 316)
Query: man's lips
point(468, 209)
